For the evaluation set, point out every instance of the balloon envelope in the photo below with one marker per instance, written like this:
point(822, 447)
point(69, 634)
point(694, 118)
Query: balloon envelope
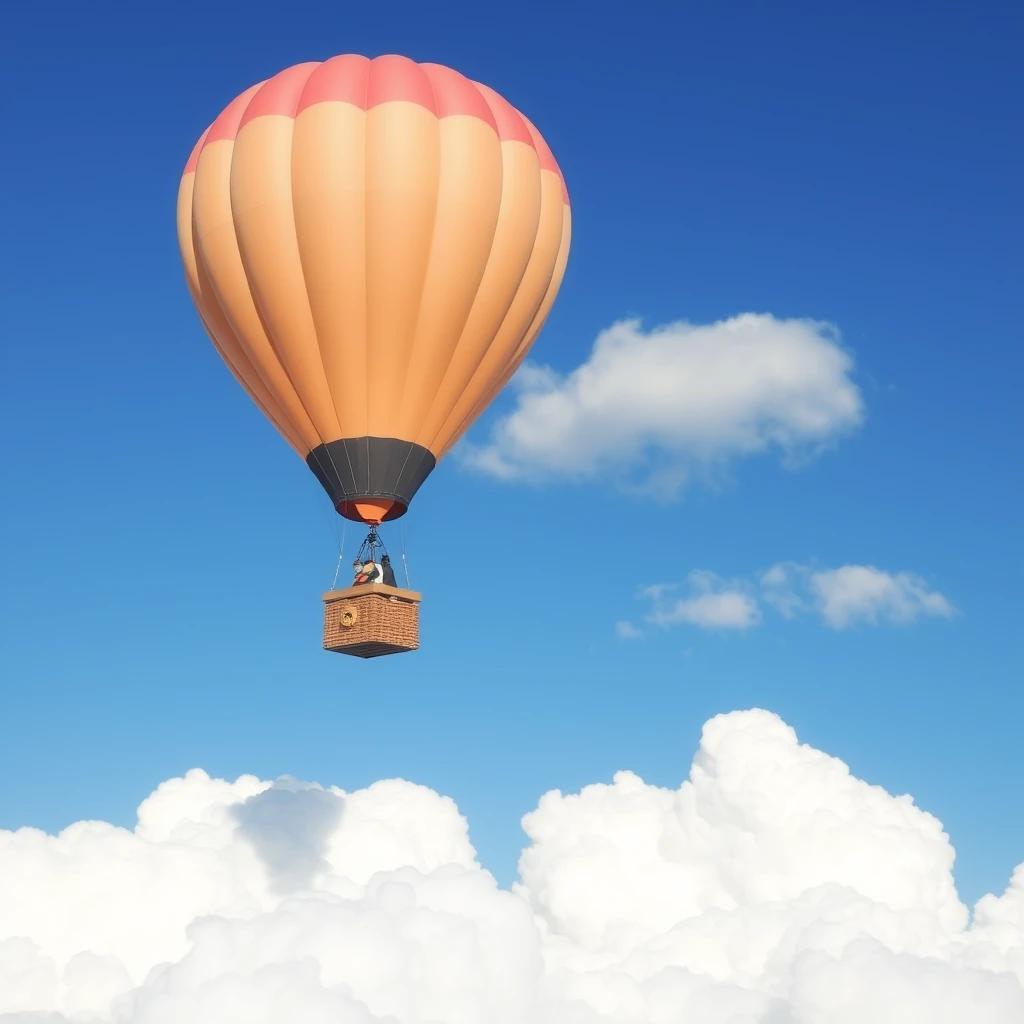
point(373, 246)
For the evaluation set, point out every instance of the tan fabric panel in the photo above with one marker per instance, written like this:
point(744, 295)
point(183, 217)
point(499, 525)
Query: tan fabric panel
point(329, 193)
point(264, 219)
point(222, 278)
point(549, 297)
point(512, 245)
point(403, 160)
point(537, 282)
point(217, 327)
point(535, 328)
point(467, 204)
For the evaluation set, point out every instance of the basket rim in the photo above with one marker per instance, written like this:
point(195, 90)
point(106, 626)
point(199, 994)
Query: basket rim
point(348, 593)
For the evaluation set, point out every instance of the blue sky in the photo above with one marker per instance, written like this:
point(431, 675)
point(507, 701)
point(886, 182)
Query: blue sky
point(164, 551)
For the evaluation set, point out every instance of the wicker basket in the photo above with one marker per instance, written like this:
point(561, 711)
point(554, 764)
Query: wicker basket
point(371, 620)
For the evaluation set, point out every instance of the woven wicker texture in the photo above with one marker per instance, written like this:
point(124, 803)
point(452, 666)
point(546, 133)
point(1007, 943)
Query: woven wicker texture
point(370, 621)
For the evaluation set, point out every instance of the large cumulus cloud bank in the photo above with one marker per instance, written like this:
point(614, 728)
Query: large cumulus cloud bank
point(771, 887)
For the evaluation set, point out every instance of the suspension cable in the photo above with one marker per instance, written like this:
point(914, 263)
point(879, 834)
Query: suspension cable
point(341, 555)
point(405, 561)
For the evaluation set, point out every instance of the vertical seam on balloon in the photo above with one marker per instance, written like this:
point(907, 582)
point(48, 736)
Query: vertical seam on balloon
point(348, 459)
point(540, 315)
point(259, 313)
point(476, 294)
point(366, 248)
point(554, 284)
point(535, 327)
point(508, 309)
point(302, 272)
point(218, 302)
point(531, 333)
point(366, 258)
point(232, 364)
point(298, 251)
point(216, 296)
point(302, 265)
point(246, 387)
point(490, 252)
point(248, 281)
point(515, 295)
point(398, 479)
point(433, 240)
point(281, 364)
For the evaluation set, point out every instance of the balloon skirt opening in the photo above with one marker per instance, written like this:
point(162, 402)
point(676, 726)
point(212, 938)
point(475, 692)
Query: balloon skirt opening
point(371, 511)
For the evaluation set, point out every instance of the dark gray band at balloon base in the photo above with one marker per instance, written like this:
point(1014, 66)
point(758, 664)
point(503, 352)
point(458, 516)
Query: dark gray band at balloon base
point(355, 468)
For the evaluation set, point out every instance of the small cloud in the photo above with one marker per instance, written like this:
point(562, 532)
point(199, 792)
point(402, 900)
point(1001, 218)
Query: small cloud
point(843, 597)
point(652, 408)
point(780, 588)
point(625, 630)
point(855, 594)
point(710, 603)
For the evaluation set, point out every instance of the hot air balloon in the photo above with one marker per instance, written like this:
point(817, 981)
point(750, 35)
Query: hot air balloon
point(373, 245)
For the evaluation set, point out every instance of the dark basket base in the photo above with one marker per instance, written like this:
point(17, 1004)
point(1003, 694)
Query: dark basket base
point(370, 650)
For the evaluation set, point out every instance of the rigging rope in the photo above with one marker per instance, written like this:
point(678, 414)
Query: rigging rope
point(405, 562)
point(341, 555)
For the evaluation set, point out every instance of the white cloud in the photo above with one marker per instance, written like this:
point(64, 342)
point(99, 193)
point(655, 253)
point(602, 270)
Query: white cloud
point(771, 886)
point(709, 602)
point(862, 593)
point(626, 630)
point(782, 587)
point(844, 597)
point(650, 408)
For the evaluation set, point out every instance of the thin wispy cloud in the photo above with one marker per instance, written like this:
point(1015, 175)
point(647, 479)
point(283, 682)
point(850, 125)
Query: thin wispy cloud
point(863, 594)
point(853, 595)
point(652, 409)
point(707, 601)
point(840, 598)
point(626, 630)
